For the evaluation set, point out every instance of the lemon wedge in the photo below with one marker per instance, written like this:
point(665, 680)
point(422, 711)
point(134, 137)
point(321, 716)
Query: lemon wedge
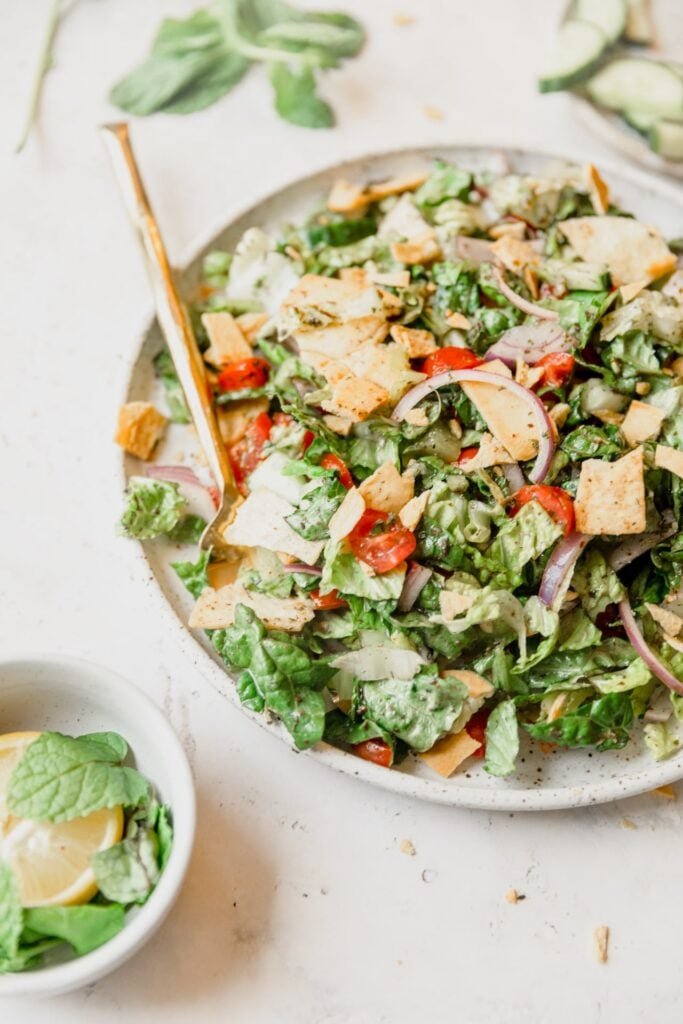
point(51, 860)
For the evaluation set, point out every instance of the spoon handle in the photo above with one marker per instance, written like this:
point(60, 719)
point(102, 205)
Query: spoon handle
point(171, 312)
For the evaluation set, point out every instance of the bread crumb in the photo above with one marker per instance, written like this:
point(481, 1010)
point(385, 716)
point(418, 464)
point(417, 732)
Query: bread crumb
point(403, 20)
point(433, 113)
point(627, 823)
point(665, 791)
point(601, 943)
point(512, 896)
point(407, 847)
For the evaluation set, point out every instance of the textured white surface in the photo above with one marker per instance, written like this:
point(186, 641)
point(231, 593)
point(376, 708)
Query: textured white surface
point(299, 907)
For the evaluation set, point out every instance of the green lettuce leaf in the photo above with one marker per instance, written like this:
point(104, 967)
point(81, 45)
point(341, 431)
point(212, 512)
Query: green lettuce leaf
point(342, 571)
point(502, 739)
point(661, 740)
point(85, 928)
point(603, 723)
point(520, 540)
point(154, 508)
point(193, 574)
point(316, 508)
point(577, 632)
point(597, 585)
point(418, 711)
point(445, 182)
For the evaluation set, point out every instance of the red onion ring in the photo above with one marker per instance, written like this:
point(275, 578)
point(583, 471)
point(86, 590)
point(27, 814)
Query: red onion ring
point(303, 569)
point(416, 579)
point(519, 302)
point(476, 250)
point(546, 445)
point(175, 474)
point(664, 674)
point(560, 563)
point(634, 547)
point(529, 342)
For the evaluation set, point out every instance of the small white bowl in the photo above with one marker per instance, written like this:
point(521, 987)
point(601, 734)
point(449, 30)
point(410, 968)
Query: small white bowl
point(63, 694)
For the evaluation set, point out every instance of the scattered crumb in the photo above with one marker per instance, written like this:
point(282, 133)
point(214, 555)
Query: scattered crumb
point(402, 20)
point(547, 748)
point(665, 791)
point(428, 875)
point(601, 942)
point(407, 847)
point(627, 823)
point(512, 896)
point(433, 113)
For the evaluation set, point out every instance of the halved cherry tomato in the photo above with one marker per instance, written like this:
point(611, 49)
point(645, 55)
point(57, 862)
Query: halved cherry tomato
point(367, 522)
point(476, 728)
point(557, 503)
point(326, 602)
point(383, 551)
point(376, 751)
point(245, 455)
point(307, 440)
point(557, 368)
point(248, 373)
point(450, 358)
point(465, 455)
point(331, 461)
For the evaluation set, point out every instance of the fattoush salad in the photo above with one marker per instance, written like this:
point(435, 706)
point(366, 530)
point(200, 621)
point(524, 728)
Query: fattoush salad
point(452, 404)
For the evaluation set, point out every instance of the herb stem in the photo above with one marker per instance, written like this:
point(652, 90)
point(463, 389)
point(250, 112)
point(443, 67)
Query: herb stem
point(44, 64)
point(236, 41)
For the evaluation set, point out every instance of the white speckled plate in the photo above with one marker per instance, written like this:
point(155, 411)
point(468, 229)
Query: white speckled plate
point(558, 780)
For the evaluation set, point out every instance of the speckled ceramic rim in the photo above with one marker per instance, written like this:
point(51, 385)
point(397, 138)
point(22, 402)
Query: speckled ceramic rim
point(131, 703)
point(499, 799)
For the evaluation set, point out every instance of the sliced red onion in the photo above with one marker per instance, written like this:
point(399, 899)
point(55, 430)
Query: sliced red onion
point(305, 570)
point(415, 580)
point(513, 475)
point(529, 342)
point(476, 250)
point(175, 474)
point(664, 674)
point(560, 564)
point(526, 307)
point(634, 547)
point(546, 445)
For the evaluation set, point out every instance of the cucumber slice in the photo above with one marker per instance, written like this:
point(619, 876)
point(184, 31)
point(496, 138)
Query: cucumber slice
point(666, 138)
point(638, 120)
point(639, 85)
point(580, 46)
point(607, 15)
point(640, 27)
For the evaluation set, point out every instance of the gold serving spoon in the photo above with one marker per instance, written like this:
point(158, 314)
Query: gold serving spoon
point(177, 330)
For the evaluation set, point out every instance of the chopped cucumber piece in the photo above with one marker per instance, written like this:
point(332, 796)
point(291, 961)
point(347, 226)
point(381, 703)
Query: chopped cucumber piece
point(576, 277)
point(580, 46)
point(640, 27)
point(638, 120)
point(607, 15)
point(666, 138)
point(639, 85)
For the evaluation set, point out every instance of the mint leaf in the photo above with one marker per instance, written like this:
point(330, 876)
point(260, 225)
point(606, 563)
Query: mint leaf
point(338, 34)
point(154, 507)
point(11, 914)
point(159, 80)
point(127, 872)
point(217, 79)
point(59, 778)
point(502, 739)
point(85, 928)
point(296, 99)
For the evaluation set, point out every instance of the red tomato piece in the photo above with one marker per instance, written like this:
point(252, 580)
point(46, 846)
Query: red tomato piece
point(376, 751)
point(465, 455)
point(248, 373)
point(557, 368)
point(282, 419)
point(383, 551)
point(246, 454)
point(450, 358)
point(331, 461)
point(307, 440)
point(326, 602)
point(476, 728)
point(367, 522)
point(557, 503)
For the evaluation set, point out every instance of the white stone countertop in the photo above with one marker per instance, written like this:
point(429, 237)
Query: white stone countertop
point(299, 907)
